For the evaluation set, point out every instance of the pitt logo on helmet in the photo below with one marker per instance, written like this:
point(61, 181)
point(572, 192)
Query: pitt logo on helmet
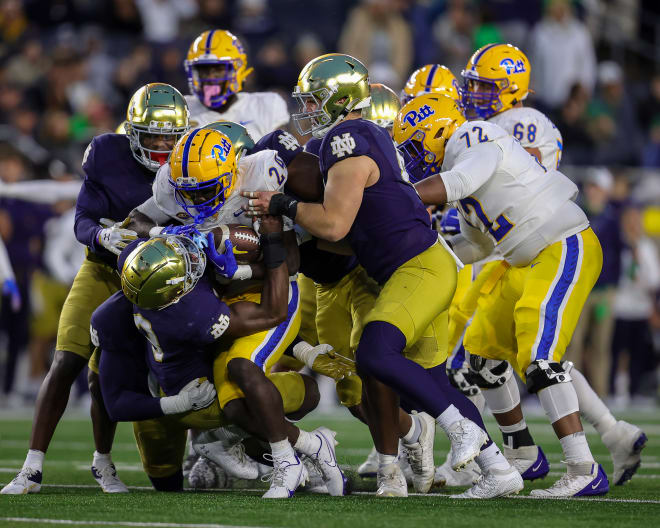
point(512, 67)
point(414, 117)
point(203, 170)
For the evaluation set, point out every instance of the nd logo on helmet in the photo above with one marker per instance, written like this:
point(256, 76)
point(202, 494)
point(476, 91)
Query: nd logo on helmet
point(222, 150)
point(414, 117)
point(512, 67)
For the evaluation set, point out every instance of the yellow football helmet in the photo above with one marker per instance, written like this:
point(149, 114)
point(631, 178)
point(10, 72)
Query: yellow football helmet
point(238, 135)
point(161, 270)
point(329, 88)
point(216, 67)
point(203, 171)
point(421, 131)
point(156, 109)
point(432, 78)
point(384, 106)
point(496, 79)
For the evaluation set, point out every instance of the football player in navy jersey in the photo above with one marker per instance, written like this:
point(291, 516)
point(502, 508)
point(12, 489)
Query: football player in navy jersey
point(369, 201)
point(119, 171)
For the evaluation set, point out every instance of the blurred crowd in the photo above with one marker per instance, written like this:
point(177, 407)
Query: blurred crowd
point(68, 68)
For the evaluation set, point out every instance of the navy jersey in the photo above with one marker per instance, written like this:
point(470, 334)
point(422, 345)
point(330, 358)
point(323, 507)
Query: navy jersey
point(115, 183)
point(283, 142)
point(313, 146)
point(392, 225)
point(180, 334)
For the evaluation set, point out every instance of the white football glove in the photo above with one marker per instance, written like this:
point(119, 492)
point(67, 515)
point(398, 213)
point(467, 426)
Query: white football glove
point(323, 359)
point(113, 237)
point(197, 394)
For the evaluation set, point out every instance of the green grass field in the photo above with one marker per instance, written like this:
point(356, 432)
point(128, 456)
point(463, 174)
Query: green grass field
point(70, 497)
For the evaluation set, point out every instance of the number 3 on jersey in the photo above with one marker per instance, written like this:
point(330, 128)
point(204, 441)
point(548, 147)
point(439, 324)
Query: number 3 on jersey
point(145, 327)
point(498, 229)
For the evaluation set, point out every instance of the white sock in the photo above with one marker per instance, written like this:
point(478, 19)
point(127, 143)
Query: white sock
point(281, 449)
point(575, 447)
point(307, 443)
point(101, 460)
point(492, 458)
point(592, 408)
point(448, 417)
point(34, 459)
point(412, 436)
point(520, 426)
point(385, 460)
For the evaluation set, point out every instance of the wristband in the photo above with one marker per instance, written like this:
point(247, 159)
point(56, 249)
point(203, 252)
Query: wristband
point(283, 205)
point(272, 245)
point(305, 353)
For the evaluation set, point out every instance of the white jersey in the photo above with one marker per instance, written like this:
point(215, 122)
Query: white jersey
point(259, 112)
point(263, 171)
point(506, 195)
point(534, 130)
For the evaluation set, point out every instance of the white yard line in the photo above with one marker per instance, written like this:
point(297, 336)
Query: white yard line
point(117, 523)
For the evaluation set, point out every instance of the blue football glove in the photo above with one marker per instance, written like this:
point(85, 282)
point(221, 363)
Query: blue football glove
point(10, 288)
point(449, 224)
point(225, 264)
point(184, 229)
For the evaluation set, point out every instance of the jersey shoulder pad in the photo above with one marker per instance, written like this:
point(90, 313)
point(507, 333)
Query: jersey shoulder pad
point(111, 321)
point(263, 170)
point(467, 136)
point(526, 124)
point(350, 138)
point(104, 151)
point(283, 142)
point(313, 146)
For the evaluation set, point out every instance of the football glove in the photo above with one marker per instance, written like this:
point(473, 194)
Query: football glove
point(449, 224)
point(188, 230)
point(10, 289)
point(114, 237)
point(197, 394)
point(323, 359)
point(225, 263)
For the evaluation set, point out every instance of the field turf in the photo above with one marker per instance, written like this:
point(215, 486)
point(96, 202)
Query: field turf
point(70, 497)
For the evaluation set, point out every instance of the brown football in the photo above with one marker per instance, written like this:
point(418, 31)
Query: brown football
point(244, 239)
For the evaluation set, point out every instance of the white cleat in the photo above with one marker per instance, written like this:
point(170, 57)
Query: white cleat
point(206, 474)
point(405, 465)
point(229, 456)
point(584, 479)
point(391, 482)
point(188, 463)
point(466, 439)
point(28, 480)
point(625, 443)
point(288, 473)
point(315, 482)
point(446, 476)
point(369, 468)
point(326, 462)
point(494, 483)
point(107, 478)
point(420, 455)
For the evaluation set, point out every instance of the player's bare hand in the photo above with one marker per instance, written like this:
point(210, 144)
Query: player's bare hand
point(258, 202)
point(270, 224)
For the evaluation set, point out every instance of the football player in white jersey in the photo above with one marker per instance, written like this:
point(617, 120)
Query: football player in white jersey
point(511, 206)
point(496, 84)
point(216, 67)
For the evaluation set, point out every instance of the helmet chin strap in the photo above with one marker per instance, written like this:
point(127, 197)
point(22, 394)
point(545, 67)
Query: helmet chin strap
point(359, 106)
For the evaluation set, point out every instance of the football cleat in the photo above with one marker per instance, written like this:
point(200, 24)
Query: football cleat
point(230, 457)
point(28, 480)
point(625, 443)
point(107, 478)
point(420, 455)
point(326, 462)
point(405, 465)
point(288, 473)
point(466, 439)
point(530, 461)
point(391, 482)
point(315, 482)
point(494, 483)
point(188, 463)
point(206, 474)
point(446, 476)
point(369, 468)
point(580, 480)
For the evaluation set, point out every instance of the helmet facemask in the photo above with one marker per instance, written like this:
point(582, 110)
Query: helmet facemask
point(203, 200)
point(313, 117)
point(214, 89)
point(482, 104)
point(152, 158)
point(194, 258)
point(420, 162)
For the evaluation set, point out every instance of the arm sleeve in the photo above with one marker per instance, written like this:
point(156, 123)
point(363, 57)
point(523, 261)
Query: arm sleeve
point(92, 204)
point(472, 169)
point(125, 389)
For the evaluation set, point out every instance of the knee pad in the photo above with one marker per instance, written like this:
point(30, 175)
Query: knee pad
point(503, 398)
point(559, 400)
point(463, 380)
point(567, 365)
point(489, 373)
point(542, 373)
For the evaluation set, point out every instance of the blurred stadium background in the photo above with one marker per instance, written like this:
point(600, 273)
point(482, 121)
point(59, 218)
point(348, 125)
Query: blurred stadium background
point(68, 68)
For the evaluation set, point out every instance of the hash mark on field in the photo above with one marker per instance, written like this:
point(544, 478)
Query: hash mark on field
point(118, 523)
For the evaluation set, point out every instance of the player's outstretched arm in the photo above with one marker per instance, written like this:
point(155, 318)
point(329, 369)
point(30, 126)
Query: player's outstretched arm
point(432, 190)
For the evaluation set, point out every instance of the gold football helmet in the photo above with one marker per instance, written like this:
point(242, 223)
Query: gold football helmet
point(237, 134)
point(421, 131)
point(496, 79)
point(432, 78)
point(203, 171)
point(161, 270)
point(216, 67)
point(384, 106)
point(156, 109)
point(329, 88)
